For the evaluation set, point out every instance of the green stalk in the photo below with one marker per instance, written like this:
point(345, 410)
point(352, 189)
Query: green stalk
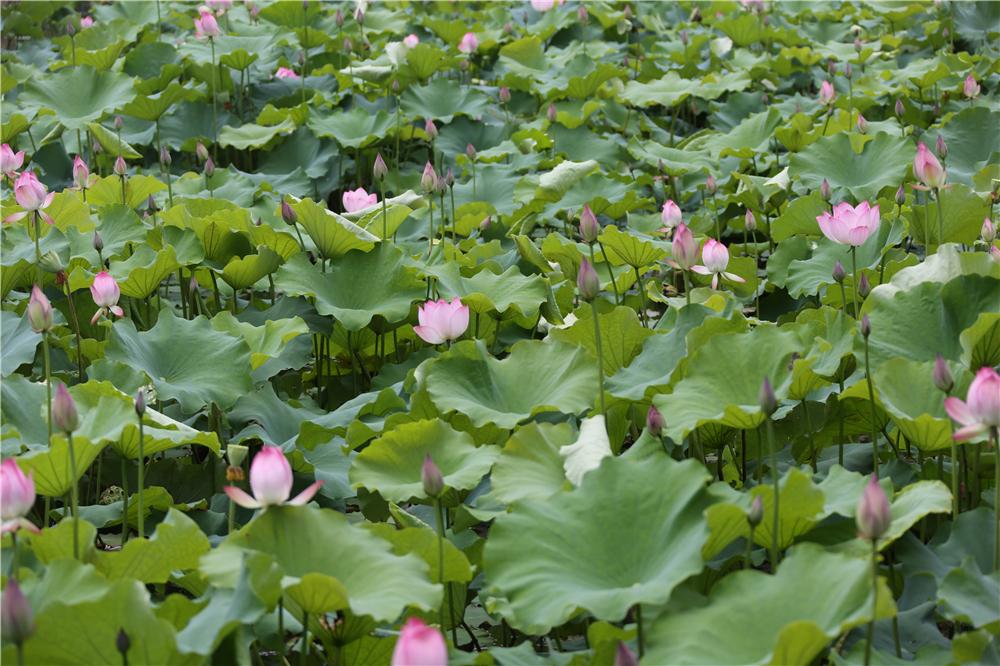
point(142, 474)
point(74, 499)
point(995, 440)
point(215, 123)
point(854, 286)
point(124, 500)
point(871, 624)
point(38, 250)
point(304, 650)
point(642, 296)
point(48, 383)
point(641, 636)
point(687, 286)
point(385, 215)
point(871, 399)
point(281, 628)
point(611, 272)
point(937, 197)
point(600, 358)
point(777, 478)
point(746, 557)
point(441, 514)
point(305, 50)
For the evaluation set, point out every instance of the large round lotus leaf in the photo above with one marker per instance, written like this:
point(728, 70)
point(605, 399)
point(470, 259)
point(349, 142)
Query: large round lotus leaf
point(139, 275)
point(17, 340)
point(304, 540)
point(536, 377)
point(970, 596)
point(391, 465)
point(882, 161)
point(939, 312)
point(530, 466)
point(626, 247)
point(388, 289)
point(963, 217)
point(441, 99)
point(814, 597)
point(187, 360)
point(356, 128)
point(622, 336)
point(177, 543)
point(968, 150)
point(78, 95)
point(487, 291)
point(630, 533)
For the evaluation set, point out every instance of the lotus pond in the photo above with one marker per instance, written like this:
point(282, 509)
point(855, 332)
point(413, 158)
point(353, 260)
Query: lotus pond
point(500, 333)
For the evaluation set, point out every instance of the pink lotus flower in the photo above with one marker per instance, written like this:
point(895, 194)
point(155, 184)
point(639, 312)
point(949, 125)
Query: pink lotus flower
point(850, 225)
point(205, 26)
point(271, 482)
point(981, 410)
point(873, 516)
point(988, 232)
point(358, 199)
point(469, 43)
point(970, 88)
point(81, 172)
point(862, 124)
point(32, 196)
point(86, 21)
point(39, 311)
point(715, 256)
point(827, 94)
point(442, 320)
point(685, 248)
point(220, 6)
point(419, 645)
point(927, 168)
point(670, 215)
point(543, 5)
point(106, 293)
point(17, 496)
point(10, 161)
point(286, 73)
point(411, 40)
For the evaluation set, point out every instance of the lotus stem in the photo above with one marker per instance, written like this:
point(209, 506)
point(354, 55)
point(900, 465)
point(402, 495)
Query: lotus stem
point(746, 556)
point(995, 442)
point(854, 285)
point(642, 296)
point(600, 359)
point(385, 214)
point(73, 496)
point(614, 283)
point(38, 248)
point(871, 399)
point(124, 499)
point(142, 474)
point(442, 514)
point(48, 382)
point(687, 287)
point(641, 639)
point(937, 198)
point(304, 650)
point(215, 123)
point(777, 479)
point(871, 624)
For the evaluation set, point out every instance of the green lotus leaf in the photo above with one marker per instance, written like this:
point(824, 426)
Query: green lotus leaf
point(641, 520)
point(110, 142)
point(333, 234)
point(442, 99)
point(391, 465)
point(622, 336)
point(509, 292)
point(882, 162)
point(317, 593)
point(968, 150)
point(177, 544)
point(78, 95)
point(246, 271)
point(529, 466)
point(536, 377)
point(356, 128)
point(51, 468)
point(152, 107)
point(745, 140)
point(630, 249)
point(424, 543)
point(141, 274)
point(108, 190)
point(963, 217)
point(17, 340)
point(968, 595)
point(253, 136)
point(814, 597)
point(219, 373)
point(981, 341)
point(304, 540)
point(265, 342)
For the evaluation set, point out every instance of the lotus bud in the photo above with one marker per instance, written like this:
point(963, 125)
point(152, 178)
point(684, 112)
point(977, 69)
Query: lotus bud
point(838, 272)
point(39, 311)
point(988, 232)
point(151, 203)
point(684, 37)
point(140, 402)
point(942, 375)
point(508, 28)
point(750, 220)
point(165, 157)
point(485, 224)
point(857, 44)
point(431, 129)
point(288, 213)
point(551, 112)
point(971, 88)
point(430, 477)
point(831, 67)
point(654, 421)
point(866, 326)
point(17, 617)
point(848, 70)
point(710, 185)
point(118, 122)
point(587, 282)
point(209, 168)
point(624, 655)
point(70, 29)
point(64, 414)
point(338, 18)
point(419, 644)
point(81, 172)
point(864, 287)
point(51, 263)
point(395, 86)
point(627, 12)
point(873, 516)
point(695, 16)
point(766, 398)
point(581, 14)
point(379, 169)
point(824, 190)
point(97, 241)
point(193, 286)
point(504, 94)
point(120, 168)
point(756, 513)
point(589, 227)
point(122, 643)
point(359, 15)
point(201, 152)
point(449, 178)
point(428, 179)
point(941, 147)
point(862, 124)
point(900, 196)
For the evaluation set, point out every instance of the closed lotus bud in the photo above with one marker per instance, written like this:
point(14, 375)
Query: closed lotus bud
point(193, 286)
point(864, 287)
point(900, 196)
point(201, 151)
point(120, 168)
point(70, 29)
point(838, 272)
point(470, 151)
point(209, 167)
point(17, 617)
point(97, 241)
point(430, 477)
point(710, 185)
point(873, 516)
point(627, 12)
point(654, 421)
point(449, 178)
point(96, 147)
point(379, 169)
point(551, 112)
point(756, 514)
point(624, 655)
point(64, 415)
point(866, 326)
point(338, 18)
point(988, 232)
point(589, 227)
point(39, 311)
point(140, 402)
point(395, 86)
point(288, 213)
point(900, 109)
point(862, 124)
point(824, 190)
point(81, 173)
point(684, 37)
point(151, 203)
point(581, 14)
point(848, 70)
point(118, 122)
point(831, 67)
point(165, 157)
point(431, 129)
point(857, 44)
point(122, 642)
point(508, 28)
point(359, 15)
point(941, 147)
point(587, 282)
point(971, 88)
point(504, 94)
point(942, 375)
point(766, 398)
point(485, 224)
point(428, 179)
point(750, 220)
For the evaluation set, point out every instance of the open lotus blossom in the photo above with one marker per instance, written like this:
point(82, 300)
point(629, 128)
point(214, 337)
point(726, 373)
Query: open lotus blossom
point(715, 256)
point(685, 248)
point(86, 21)
point(17, 496)
point(286, 73)
point(850, 225)
point(205, 26)
point(106, 293)
point(971, 88)
point(981, 409)
point(419, 645)
point(271, 482)
point(358, 199)
point(411, 40)
point(827, 94)
point(670, 215)
point(469, 43)
point(10, 161)
point(545, 5)
point(32, 196)
point(442, 320)
point(927, 168)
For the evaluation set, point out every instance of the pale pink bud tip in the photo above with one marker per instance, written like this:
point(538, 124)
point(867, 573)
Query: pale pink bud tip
point(873, 515)
point(419, 643)
point(624, 655)
point(16, 614)
point(64, 414)
point(766, 398)
point(39, 311)
point(942, 375)
point(587, 282)
point(756, 513)
point(654, 421)
point(671, 214)
point(589, 227)
point(430, 477)
point(17, 493)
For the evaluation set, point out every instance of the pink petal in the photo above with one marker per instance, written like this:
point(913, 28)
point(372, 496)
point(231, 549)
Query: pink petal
point(118, 311)
point(97, 315)
point(306, 494)
point(429, 334)
point(715, 281)
point(15, 217)
point(959, 411)
point(241, 497)
point(733, 276)
point(857, 236)
point(701, 270)
point(969, 432)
